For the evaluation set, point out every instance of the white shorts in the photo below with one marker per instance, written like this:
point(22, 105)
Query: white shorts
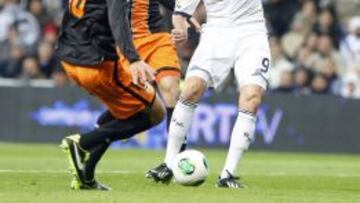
point(243, 49)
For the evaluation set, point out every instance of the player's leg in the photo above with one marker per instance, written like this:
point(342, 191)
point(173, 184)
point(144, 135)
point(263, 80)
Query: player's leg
point(209, 67)
point(98, 152)
point(88, 148)
point(105, 117)
point(135, 110)
point(182, 116)
point(243, 133)
point(170, 90)
point(211, 54)
point(122, 129)
point(179, 126)
point(160, 52)
point(251, 71)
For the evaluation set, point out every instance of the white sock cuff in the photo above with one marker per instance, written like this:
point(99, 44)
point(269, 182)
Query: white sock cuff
point(244, 114)
point(188, 105)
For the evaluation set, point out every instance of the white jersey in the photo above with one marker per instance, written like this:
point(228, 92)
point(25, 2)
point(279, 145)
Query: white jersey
point(225, 12)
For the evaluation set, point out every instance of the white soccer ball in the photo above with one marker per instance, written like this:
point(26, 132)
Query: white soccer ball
point(190, 168)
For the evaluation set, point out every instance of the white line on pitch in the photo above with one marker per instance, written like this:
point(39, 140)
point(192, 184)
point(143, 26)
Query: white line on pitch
point(57, 171)
point(279, 173)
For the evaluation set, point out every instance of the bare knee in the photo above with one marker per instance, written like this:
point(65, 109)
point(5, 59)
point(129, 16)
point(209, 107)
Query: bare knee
point(170, 90)
point(194, 89)
point(251, 98)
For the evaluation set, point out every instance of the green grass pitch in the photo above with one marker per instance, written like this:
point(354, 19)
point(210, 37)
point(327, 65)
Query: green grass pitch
point(37, 173)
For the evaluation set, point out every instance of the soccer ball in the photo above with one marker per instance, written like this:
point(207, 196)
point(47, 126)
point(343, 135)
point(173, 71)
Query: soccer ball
point(190, 168)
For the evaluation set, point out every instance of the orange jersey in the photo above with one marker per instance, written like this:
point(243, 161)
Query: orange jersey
point(145, 16)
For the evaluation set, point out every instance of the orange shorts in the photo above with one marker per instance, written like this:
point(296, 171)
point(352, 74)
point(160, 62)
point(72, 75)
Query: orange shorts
point(159, 52)
point(112, 84)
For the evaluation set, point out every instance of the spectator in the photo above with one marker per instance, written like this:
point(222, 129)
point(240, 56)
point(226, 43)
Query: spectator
point(329, 69)
point(327, 25)
point(280, 14)
point(50, 33)
point(320, 85)
point(47, 61)
point(311, 42)
point(54, 7)
point(286, 83)
point(308, 14)
point(36, 7)
point(327, 50)
point(31, 69)
point(350, 8)
point(6, 19)
point(305, 57)
point(350, 46)
point(12, 67)
point(351, 86)
point(294, 39)
point(302, 79)
point(279, 63)
point(6, 45)
point(330, 72)
point(12, 15)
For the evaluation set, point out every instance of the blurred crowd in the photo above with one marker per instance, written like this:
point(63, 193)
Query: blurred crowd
point(315, 44)
point(28, 33)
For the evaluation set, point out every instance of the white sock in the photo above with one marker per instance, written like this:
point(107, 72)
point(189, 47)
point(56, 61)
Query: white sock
point(242, 135)
point(179, 126)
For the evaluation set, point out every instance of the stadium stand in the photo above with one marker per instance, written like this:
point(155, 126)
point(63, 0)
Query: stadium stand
point(315, 44)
